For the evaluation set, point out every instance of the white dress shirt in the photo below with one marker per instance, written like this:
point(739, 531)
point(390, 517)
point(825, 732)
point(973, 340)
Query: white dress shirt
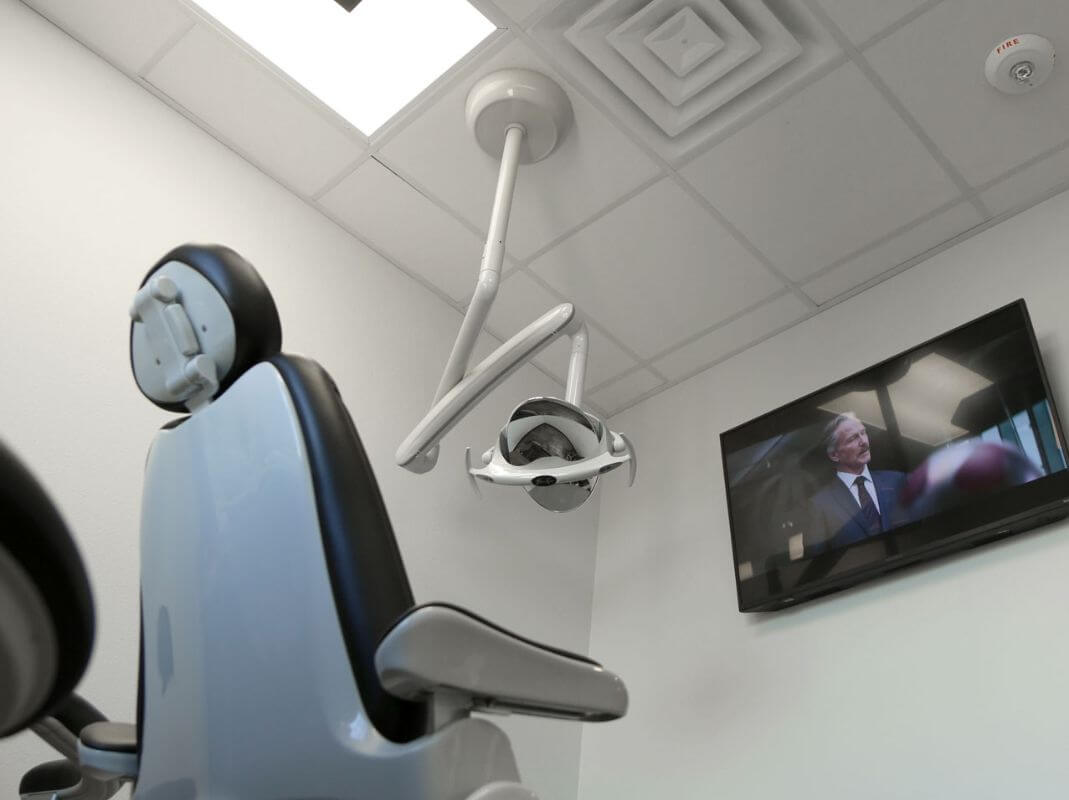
point(848, 478)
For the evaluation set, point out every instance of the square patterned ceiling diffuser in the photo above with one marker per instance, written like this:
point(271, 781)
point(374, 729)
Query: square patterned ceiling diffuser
point(682, 71)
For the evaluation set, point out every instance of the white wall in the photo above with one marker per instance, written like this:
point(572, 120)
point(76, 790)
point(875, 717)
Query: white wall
point(98, 179)
point(945, 681)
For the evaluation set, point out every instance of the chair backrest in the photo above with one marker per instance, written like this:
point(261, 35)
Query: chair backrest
point(46, 608)
point(367, 577)
point(269, 567)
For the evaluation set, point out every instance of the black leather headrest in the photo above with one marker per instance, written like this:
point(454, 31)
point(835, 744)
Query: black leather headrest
point(258, 331)
point(34, 536)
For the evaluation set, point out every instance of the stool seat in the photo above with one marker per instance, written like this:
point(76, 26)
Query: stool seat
point(109, 748)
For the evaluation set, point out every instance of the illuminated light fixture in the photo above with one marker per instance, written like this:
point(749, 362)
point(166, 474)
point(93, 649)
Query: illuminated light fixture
point(927, 396)
point(366, 65)
point(924, 400)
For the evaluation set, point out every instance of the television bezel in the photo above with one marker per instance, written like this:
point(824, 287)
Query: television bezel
point(1035, 503)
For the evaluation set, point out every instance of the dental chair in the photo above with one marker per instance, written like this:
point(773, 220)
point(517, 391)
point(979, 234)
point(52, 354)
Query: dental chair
point(283, 654)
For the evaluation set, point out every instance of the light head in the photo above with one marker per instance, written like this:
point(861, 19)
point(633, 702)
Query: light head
point(556, 451)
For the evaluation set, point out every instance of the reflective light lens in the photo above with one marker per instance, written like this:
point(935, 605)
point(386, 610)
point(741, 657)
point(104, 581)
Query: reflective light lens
point(546, 432)
point(564, 496)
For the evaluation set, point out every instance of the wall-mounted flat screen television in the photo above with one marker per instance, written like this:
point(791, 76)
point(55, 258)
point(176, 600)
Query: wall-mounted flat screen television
point(951, 444)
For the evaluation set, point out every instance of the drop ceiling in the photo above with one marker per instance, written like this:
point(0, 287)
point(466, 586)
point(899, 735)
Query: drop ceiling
point(794, 153)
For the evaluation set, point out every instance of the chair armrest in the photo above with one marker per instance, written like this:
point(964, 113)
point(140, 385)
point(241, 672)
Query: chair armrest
point(442, 649)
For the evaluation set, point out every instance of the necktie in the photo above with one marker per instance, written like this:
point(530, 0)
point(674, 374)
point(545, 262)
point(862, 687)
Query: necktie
point(869, 513)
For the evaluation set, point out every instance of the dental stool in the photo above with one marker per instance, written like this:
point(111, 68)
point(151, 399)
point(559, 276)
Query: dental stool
point(46, 608)
point(283, 653)
point(46, 636)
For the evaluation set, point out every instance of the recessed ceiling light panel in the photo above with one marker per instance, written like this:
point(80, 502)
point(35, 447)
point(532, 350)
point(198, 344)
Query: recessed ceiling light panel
point(367, 64)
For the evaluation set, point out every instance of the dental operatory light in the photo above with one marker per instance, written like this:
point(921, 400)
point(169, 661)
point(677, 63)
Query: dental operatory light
point(551, 447)
point(556, 451)
point(366, 64)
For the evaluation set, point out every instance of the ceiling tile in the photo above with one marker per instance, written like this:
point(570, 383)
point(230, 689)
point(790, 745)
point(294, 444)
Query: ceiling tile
point(860, 20)
point(1028, 186)
point(823, 174)
point(412, 231)
point(127, 34)
point(656, 270)
point(897, 250)
point(935, 65)
point(736, 335)
point(594, 166)
point(254, 110)
point(521, 300)
point(616, 395)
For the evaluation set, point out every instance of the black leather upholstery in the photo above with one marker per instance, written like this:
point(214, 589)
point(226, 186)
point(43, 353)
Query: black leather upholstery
point(75, 713)
point(139, 721)
point(483, 620)
point(33, 532)
point(52, 776)
point(258, 332)
point(367, 576)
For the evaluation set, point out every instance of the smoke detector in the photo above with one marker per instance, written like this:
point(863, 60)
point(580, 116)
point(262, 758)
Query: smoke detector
point(1020, 64)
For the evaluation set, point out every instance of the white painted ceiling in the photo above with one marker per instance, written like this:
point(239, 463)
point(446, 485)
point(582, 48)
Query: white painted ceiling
point(822, 146)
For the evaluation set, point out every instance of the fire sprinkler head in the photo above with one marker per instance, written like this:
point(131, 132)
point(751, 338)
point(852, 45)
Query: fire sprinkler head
point(1020, 63)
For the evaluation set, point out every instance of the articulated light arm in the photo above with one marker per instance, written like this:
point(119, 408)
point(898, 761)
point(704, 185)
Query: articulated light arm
point(418, 452)
point(490, 267)
point(573, 391)
point(518, 116)
point(460, 390)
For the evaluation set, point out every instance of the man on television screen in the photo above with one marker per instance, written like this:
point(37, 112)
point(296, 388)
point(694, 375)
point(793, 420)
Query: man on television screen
point(856, 503)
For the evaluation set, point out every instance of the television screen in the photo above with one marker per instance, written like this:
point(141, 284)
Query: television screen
point(945, 446)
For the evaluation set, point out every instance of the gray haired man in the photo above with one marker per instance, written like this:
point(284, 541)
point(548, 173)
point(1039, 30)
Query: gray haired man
point(857, 502)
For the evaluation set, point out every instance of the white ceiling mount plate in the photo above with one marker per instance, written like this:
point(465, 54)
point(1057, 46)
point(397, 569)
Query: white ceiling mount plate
point(1020, 63)
point(770, 46)
point(522, 97)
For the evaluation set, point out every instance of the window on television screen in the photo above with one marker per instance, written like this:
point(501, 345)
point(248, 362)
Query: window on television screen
point(944, 427)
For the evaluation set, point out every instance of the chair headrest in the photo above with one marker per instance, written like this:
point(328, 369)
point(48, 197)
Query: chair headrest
point(201, 317)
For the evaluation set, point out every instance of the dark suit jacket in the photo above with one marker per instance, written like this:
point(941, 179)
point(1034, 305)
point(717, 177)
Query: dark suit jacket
point(835, 516)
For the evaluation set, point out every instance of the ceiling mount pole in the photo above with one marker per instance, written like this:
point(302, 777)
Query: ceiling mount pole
point(490, 267)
